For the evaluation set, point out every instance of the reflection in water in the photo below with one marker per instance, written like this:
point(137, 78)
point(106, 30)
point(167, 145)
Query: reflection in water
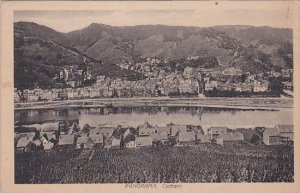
point(134, 116)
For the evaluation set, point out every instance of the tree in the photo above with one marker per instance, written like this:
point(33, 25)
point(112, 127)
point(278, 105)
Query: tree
point(275, 85)
point(255, 139)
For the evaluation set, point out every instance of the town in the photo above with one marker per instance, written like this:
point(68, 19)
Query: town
point(68, 134)
point(162, 79)
point(61, 152)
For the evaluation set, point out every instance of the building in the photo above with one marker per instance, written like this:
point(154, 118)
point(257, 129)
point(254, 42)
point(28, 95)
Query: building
point(105, 130)
point(97, 139)
point(211, 85)
point(186, 138)
point(260, 86)
point(115, 143)
point(24, 144)
point(146, 129)
point(280, 134)
point(188, 72)
point(271, 136)
point(200, 138)
point(66, 141)
point(214, 132)
point(175, 129)
point(230, 137)
point(84, 143)
point(143, 141)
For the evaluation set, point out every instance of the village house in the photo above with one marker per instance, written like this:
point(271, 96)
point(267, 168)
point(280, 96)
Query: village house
point(188, 72)
point(185, 86)
point(105, 130)
point(229, 138)
point(280, 134)
point(66, 141)
point(175, 129)
point(48, 139)
point(24, 144)
point(146, 129)
point(186, 138)
point(271, 136)
point(97, 139)
point(115, 143)
point(200, 138)
point(216, 131)
point(143, 141)
point(84, 143)
point(161, 137)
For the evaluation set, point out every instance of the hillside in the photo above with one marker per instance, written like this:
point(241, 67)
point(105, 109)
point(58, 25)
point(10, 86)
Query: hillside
point(252, 49)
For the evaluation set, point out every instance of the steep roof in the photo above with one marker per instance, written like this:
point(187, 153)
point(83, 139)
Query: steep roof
point(116, 142)
point(187, 136)
point(97, 138)
point(271, 132)
point(285, 128)
point(237, 136)
point(165, 129)
point(143, 141)
point(66, 140)
point(81, 140)
point(203, 138)
point(24, 141)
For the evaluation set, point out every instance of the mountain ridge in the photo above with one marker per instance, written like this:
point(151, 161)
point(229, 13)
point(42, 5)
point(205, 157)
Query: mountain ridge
point(250, 48)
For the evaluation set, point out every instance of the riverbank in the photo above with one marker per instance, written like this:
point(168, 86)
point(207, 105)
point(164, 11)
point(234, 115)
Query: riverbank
point(219, 102)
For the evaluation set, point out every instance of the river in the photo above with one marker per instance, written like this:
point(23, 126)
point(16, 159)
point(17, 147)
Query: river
point(161, 116)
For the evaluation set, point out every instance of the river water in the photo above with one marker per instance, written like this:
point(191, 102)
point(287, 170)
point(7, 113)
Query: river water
point(161, 116)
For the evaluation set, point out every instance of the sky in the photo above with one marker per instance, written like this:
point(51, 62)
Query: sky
point(69, 20)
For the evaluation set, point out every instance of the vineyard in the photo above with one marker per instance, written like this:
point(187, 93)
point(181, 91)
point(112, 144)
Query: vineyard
point(197, 164)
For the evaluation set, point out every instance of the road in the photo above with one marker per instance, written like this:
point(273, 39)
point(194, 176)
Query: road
point(222, 102)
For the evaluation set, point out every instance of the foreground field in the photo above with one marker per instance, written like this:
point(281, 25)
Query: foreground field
point(204, 163)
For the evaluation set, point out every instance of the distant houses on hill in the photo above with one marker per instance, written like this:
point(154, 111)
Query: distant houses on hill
point(66, 135)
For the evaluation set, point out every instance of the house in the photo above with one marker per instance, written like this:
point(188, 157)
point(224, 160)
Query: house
point(143, 141)
point(271, 136)
point(229, 137)
point(97, 139)
point(286, 132)
point(216, 131)
point(162, 137)
point(281, 134)
point(106, 131)
point(164, 129)
point(115, 143)
point(146, 129)
point(66, 141)
point(24, 144)
point(48, 140)
point(202, 138)
point(186, 138)
point(211, 85)
point(84, 143)
point(175, 129)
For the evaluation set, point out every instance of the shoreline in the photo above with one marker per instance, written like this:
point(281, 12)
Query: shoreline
point(214, 102)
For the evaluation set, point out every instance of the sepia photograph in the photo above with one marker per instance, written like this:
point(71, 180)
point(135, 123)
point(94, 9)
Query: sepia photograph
point(153, 95)
point(140, 102)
